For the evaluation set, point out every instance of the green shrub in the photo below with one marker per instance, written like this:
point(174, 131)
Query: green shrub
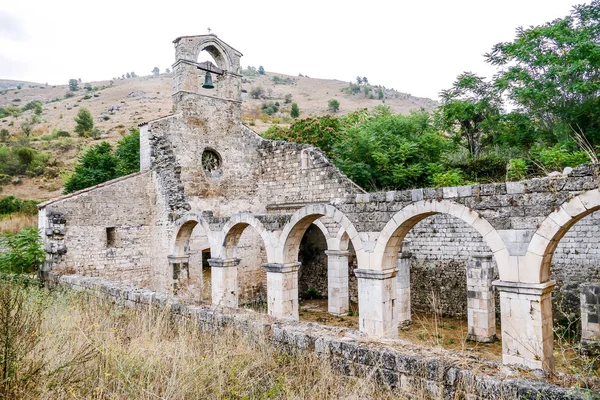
point(11, 205)
point(516, 169)
point(558, 157)
point(295, 112)
point(333, 105)
point(84, 121)
point(453, 177)
point(24, 253)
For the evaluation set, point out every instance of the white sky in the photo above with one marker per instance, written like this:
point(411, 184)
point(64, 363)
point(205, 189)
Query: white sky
point(417, 47)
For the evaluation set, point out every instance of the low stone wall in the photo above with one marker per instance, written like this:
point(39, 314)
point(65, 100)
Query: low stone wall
point(412, 370)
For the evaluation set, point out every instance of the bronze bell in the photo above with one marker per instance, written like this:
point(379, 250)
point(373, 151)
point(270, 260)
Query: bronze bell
point(208, 81)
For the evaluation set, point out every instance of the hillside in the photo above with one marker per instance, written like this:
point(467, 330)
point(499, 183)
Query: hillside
point(124, 103)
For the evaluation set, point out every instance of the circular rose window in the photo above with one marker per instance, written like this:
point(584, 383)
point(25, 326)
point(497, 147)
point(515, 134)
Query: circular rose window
point(211, 162)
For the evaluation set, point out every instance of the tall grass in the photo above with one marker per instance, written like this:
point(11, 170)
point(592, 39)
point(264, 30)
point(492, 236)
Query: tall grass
point(79, 346)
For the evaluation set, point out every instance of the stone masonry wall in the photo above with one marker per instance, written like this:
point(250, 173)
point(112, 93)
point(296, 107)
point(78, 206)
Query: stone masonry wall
point(285, 178)
point(97, 233)
point(413, 371)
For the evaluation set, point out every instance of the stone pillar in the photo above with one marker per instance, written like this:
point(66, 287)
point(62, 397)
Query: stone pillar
point(378, 315)
point(527, 337)
point(224, 281)
point(590, 318)
point(180, 267)
point(481, 304)
point(282, 289)
point(338, 298)
point(403, 288)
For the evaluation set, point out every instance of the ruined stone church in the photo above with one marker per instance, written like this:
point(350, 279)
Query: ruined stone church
point(219, 214)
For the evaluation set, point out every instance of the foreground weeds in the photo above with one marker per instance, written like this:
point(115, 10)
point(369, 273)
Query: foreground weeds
point(65, 344)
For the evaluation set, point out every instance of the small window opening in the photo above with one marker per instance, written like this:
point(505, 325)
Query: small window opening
point(111, 236)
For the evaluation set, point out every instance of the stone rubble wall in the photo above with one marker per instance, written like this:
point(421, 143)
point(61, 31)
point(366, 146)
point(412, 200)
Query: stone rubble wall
point(411, 370)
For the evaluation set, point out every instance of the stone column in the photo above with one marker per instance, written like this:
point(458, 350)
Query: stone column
point(481, 304)
point(403, 287)
point(338, 302)
point(180, 266)
point(378, 315)
point(224, 281)
point(282, 290)
point(590, 318)
point(527, 336)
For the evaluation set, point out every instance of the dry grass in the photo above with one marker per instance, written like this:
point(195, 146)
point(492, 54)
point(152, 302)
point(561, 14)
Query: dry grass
point(13, 223)
point(89, 348)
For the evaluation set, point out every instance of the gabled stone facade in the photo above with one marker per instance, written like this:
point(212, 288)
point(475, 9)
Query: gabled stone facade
point(249, 201)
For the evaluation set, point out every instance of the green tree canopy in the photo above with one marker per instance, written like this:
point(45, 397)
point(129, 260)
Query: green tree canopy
point(552, 71)
point(128, 153)
point(469, 110)
point(98, 164)
point(333, 105)
point(295, 112)
point(84, 121)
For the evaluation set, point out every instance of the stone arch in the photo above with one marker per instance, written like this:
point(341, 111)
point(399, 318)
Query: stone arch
point(234, 228)
point(546, 238)
point(183, 231)
point(216, 51)
point(388, 243)
point(294, 231)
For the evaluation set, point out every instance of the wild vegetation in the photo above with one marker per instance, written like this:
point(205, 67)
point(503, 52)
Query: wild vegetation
point(65, 345)
point(539, 113)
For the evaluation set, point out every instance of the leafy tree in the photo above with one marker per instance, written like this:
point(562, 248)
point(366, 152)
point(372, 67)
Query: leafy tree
point(295, 112)
point(167, 71)
point(365, 80)
point(391, 151)
point(552, 71)
point(261, 70)
point(73, 85)
point(85, 122)
point(128, 153)
point(380, 94)
point(333, 105)
point(133, 75)
point(98, 164)
point(469, 110)
point(155, 71)
point(359, 80)
point(128, 75)
point(23, 251)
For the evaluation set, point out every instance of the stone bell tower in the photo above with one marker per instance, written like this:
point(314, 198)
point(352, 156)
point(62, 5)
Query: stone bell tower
point(213, 151)
point(189, 75)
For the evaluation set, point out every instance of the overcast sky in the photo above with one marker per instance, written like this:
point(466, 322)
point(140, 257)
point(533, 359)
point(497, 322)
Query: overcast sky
point(417, 47)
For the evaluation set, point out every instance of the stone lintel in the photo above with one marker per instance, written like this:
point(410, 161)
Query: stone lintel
point(337, 253)
point(471, 337)
point(483, 255)
point(178, 259)
point(281, 268)
point(524, 288)
point(221, 263)
point(374, 274)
